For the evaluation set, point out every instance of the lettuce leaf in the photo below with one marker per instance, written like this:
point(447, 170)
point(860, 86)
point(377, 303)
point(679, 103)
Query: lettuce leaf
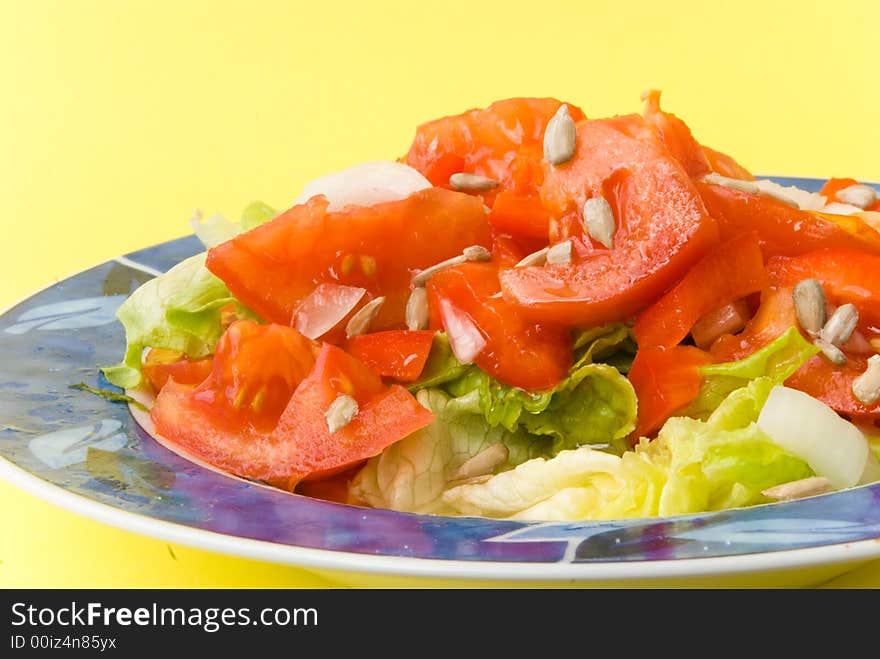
point(179, 310)
point(411, 475)
point(776, 361)
point(217, 229)
point(692, 466)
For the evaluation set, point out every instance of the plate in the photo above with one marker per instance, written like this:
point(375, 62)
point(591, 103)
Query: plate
point(87, 454)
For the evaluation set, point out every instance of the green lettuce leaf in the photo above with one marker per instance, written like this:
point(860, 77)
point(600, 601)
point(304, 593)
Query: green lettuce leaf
point(442, 367)
point(612, 344)
point(179, 310)
point(217, 229)
point(411, 475)
point(595, 404)
point(692, 466)
point(776, 361)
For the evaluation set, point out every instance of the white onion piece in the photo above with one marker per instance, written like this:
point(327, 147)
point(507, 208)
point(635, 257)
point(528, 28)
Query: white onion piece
point(837, 208)
point(465, 338)
point(366, 184)
point(806, 200)
point(812, 431)
point(325, 307)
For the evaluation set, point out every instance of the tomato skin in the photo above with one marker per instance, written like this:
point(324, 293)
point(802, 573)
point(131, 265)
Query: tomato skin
point(519, 352)
point(833, 385)
point(675, 134)
point(834, 185)
point(504, 142)
point(301, 445)
point(847, 275)
point(160, 365)
point(662, 228)
point(273, 267)
point(397, 354)
point(731, 271)
point(665, 380)
point(783, 230)
point(255, 370)
point(725, 165)
point(520, 215)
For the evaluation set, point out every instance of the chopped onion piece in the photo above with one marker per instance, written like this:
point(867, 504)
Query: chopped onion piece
point(812, 431)
point(837, 208)
point(325, 308)
point(465, 338)
point(366, 184)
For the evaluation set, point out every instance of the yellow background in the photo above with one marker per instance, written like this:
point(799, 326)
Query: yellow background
point(117, 118)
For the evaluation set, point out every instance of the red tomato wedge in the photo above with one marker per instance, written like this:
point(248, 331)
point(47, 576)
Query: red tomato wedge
point(504, 142)
point(520, 215)
point(397, 354)
point(255, 372)
point(518, 351)
point(301, 445)
point(731, 271)
point(847, 275)
point(273, 267)
point(781, 229)
point(665, 380)
point(676, 135)
point(161, 364)
point(662, 228)
point(835, 185)
point(833, 385)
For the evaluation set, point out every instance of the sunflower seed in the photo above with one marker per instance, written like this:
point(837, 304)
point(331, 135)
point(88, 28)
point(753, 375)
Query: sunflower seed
point(417, 309)
point(464, 182)
point(858, 195)
point(472, 253)
point(866, 387)
point(840, 326)
point(599, 221)
point(341, 412)
point(422, 278)
point(483, 463)
point(560, 137)
point(805, 487)
point(560, 253)
point(534, 259)
point(477, 253)
point(360, 322)
point(809, 305)
point(832, 352)
point(733, 183)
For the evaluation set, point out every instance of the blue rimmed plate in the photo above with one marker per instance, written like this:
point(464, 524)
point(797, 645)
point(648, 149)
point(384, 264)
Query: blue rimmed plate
point(89, 455)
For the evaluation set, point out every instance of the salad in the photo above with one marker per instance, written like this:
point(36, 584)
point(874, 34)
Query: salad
point(532, 314)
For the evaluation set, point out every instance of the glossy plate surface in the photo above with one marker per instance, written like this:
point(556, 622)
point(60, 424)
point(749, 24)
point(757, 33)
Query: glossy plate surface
point(88, 454)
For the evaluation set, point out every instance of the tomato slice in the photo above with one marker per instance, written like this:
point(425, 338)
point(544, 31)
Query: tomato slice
point(397, 354)
point(520, 215)
point(255, 370)
point(783, 230)
point(504, 142)
point(662, 228)
point(731, 271)
point(675, 134)
point(847, 275)
point(273, 267)
point(518, 351)
point(301, 445)
point(665, 380)
point(835, 185)
point(160, 364)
